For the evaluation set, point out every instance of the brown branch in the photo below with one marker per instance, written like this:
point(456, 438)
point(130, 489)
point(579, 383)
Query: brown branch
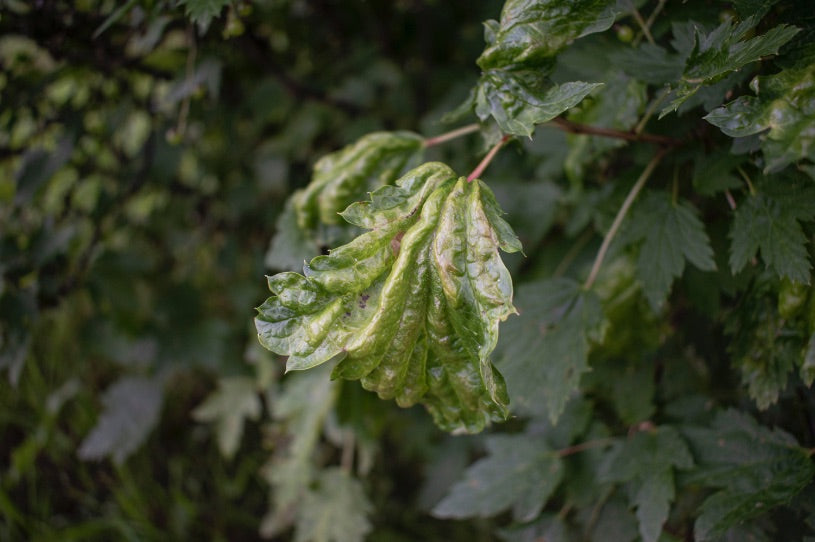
point(577, 128)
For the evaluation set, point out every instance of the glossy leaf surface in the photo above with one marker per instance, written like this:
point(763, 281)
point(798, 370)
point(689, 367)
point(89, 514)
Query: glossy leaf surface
point(514, 88)
point(348, 175)
point(412, 307)
point(782, 111)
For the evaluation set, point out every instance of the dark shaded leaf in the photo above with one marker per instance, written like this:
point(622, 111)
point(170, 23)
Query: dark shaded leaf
point(647, 461)
point(520, 471)
point(544, 351)
point(754, 468)
point(671, 233)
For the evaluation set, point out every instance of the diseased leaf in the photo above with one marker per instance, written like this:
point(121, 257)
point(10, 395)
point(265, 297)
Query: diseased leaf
point(335, 511)
point(412, 307)
point(532, 32)
point(769, 222)
point(514, 87)
point(520, 471)
point(782, 111)
point(717, 53)
point(647, 461)
point(235, 399)
point(670, 233)
point(349, 174)
point(754, 469)
point(131, 410)
point(520, 99)
point(544, 351)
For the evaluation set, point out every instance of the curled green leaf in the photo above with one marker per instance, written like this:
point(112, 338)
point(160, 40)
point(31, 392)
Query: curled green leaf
point(347, 175)
point(410, 308)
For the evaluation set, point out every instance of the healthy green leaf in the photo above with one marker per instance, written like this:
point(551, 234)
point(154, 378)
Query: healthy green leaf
point(412, 307)
point(131, 409)
point(754, 468)
point(670, 233)
point(722, 51)
point(544, 352)
point(520, 471)
point(235, 400)
point(336, 511)
point(521, 48)
point(769, 222)
point(347, 175)
point(782, 111)
point(647, 461)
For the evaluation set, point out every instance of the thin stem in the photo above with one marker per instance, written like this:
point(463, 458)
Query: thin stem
point(181, 126)
point(583, 446)
point(746, 178)
point(643, 25)
point(487, 159)
point(577, 128)
point(618, 220)
point(652, 107)
point(458, 132)
point(347, 458)
point(730, 200)
point(651, 18)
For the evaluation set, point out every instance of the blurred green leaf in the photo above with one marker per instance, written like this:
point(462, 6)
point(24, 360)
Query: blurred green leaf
point(336, 511)
point(131, 410)
point(234, 401)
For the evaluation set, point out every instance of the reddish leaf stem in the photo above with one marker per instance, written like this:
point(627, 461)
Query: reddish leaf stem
point(577, 128)
point(458, 132)
point(563, 452)
point(487, 159)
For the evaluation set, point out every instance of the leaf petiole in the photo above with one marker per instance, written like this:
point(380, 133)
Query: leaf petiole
point(453, 134)
point(487, 159)
point(618, 220)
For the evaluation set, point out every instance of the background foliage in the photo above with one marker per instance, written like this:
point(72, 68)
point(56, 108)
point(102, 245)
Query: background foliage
point(148, 150)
